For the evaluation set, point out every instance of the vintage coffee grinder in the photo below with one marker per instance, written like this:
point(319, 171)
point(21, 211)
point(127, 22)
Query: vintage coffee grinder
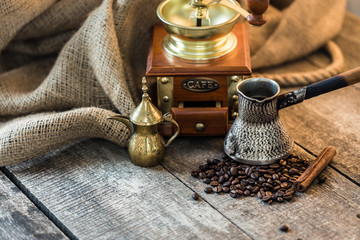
point(197, 57)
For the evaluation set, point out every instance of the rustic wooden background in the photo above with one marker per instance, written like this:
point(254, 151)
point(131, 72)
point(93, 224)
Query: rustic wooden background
point(90, 190)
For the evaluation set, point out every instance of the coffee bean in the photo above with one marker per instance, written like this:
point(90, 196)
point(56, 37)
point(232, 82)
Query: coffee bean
point(218, 189)
point(255, 175)
point(208, 190)
point(221, 179)
point(202, 175)
point(216, 161)
point(284, 185)
point(203, 167)
point(210, 174)
point(268, 193)
point(262, 179)
point(195, 196)
point(284, 228)
point(214, 178)
point(288, 196)
point(248, 171)
point(289, 192)
point(232, 187)
point(263, 170)
point(247, 192)
point(277, 182)
point(249, 187)
point(236, 181)
point(243, 167)
point(233, 194)
point(239, 192)
point(255, 189)
point(274, 165)
point(322, 179)
point(206, 180)
point(292, 179)
point(226, 189)
point(194, 173)
point(251, 181)
point(275, 176)
point(214, 183)
point(283, 179)
point(293, 171)
point(226, 184)
point(265, 198)
point(279, 199)
point(267, 175)
point(279, 193)
point(241, 172)
point(241, 186)
point(271, 171)
point(234, 171)
point(276, 188)
point(244, 182)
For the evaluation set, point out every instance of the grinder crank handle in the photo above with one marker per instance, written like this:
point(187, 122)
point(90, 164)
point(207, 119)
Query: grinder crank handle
point(256, 7)
point(342, 80)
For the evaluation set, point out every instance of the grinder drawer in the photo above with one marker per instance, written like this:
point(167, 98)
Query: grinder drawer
point(198, 121)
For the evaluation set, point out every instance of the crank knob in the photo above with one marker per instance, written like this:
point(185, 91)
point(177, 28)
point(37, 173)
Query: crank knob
point(257, 9)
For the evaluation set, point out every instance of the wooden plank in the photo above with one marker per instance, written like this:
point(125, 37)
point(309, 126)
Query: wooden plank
point(329, 119)
point(325, 211)
point(96, 192)
point(20, 218)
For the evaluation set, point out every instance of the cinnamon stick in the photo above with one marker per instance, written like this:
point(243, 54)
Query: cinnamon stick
point(314, 169)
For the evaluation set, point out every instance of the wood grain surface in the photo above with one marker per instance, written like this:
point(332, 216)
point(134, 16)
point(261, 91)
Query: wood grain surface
point(20, 218)
point(326, 211)
point(330, 119)
point(96, 192)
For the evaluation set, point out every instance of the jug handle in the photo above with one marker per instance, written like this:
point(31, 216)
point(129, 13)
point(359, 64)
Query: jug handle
point(125, 120)
point(342, 80)
point(168, 118)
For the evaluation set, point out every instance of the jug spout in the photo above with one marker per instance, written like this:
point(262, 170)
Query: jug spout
point(125, 120)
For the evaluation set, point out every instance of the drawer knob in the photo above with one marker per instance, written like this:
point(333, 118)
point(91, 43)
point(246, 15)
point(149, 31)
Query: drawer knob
point(200, 127)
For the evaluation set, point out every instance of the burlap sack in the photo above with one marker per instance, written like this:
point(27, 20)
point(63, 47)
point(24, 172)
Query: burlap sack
point(67, 65)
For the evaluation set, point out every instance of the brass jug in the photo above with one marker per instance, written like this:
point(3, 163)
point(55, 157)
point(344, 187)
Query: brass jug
point(146, 146)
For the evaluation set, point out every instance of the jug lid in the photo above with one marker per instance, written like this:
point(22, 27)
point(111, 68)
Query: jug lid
point(145, 114)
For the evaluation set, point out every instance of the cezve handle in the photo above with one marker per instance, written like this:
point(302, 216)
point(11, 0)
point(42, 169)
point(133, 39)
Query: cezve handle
point(342, 80)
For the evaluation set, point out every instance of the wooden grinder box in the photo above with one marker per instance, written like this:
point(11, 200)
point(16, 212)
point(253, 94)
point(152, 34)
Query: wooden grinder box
point(201, 96)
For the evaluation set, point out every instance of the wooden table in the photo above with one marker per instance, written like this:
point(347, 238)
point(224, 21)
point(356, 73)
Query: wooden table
point(90, 190)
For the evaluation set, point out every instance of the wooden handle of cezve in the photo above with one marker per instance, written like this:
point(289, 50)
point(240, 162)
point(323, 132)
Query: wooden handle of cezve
point(342, 80)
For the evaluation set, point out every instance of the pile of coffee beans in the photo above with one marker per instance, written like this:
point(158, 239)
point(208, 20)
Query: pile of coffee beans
point(269, 183)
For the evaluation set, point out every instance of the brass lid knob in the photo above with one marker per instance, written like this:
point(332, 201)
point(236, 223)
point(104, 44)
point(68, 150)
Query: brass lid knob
point(145, 113)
